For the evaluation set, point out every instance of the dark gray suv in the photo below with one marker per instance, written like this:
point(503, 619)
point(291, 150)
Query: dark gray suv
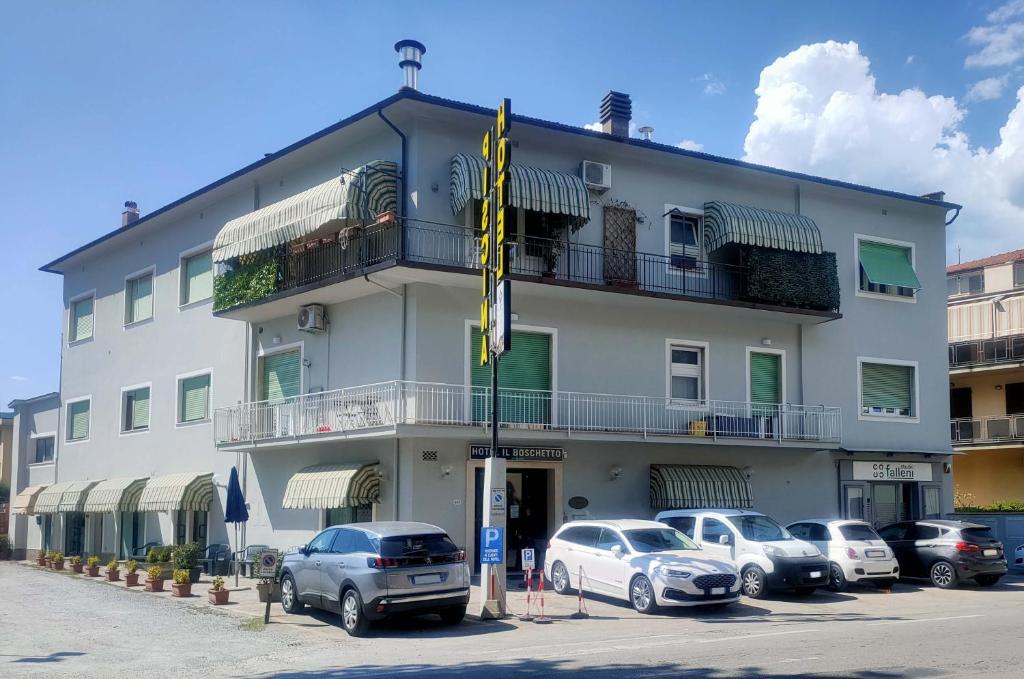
point(368, 571)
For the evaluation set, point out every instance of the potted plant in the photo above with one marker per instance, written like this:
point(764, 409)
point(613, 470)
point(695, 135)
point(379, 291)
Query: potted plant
point(161, 557)
point(131, 577)
point(92, 566)
point(154, 579)
point(58, 561)
point(218, 593)
point(186, 557)
point(112, 571)
point(182, 585)
point(76, 564)
point(41, 558)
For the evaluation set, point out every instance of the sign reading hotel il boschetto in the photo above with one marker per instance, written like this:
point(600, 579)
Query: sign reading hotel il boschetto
point(518, 453)
point(892, 471)
point(496, 302)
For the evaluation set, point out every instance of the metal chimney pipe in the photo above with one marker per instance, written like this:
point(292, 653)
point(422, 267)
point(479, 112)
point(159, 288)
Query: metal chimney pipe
point(410, 53)
point(646, 132)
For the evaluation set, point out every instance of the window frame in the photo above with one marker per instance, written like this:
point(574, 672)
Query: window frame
point(178, 379)
point(35, 437)
point(915, 411)
point(67, 410)
point(868, 294)
point(704, 379)
point(183, 257)
point(697, 271)
point(122, 412)
point(279, 349)
point(72, 301)
point(149, 271)
point(967, 275)
point(783, 394)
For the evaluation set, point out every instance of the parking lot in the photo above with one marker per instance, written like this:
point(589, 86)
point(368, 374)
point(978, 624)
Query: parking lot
point(61, 625)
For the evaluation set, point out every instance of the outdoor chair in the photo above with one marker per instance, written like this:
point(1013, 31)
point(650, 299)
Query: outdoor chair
point(140, 553)
point(218, 559)
point(243, 558)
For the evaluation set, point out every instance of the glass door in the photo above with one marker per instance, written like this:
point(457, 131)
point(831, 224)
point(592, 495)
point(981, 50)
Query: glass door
point(855, 503)
point(74, 534)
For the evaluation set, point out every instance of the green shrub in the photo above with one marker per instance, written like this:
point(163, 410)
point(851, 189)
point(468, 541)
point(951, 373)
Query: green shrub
point(112, 565)
point(153, 555)
point(93, 561)
point(5, 546)
point(251, 278)
point(58, 556)
point(76, 560)
point(997, 506)
point(131, 566)
point(154, 573)
point(795, 279)
point(187, 556)
point(218, 583)
point(181, 576)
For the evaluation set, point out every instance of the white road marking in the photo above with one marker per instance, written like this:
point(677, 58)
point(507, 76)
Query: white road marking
point(907, 622)
point(743, 637)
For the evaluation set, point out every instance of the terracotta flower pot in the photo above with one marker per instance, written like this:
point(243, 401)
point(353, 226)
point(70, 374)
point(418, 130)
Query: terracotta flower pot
point(48, 563)
point(131, 579)
point(181, 589)
point(113, 575)
point(92, 571)
point(217, 597)
point(154, 585)
point(76, 567)
point(58, 565)
point(40, 560)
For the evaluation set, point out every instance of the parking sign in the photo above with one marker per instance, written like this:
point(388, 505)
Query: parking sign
point(529, 561)
point(492, 544)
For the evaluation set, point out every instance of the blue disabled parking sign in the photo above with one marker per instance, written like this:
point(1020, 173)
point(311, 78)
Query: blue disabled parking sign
point(492, 544)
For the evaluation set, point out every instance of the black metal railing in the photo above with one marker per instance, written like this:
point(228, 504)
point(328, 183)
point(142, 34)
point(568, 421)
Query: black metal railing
point(993, 350)
point(341, 256)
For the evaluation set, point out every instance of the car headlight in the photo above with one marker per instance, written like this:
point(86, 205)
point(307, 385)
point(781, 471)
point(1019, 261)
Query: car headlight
point(773, 552)
point(674, 572)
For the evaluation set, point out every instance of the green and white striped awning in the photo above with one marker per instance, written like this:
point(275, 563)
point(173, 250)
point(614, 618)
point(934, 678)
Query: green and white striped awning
point(327, 486)
point(532, 189)
point(726, 223)
point(25, 501)
point(48, 500)
point(73, 497)
point(678, 486)
point(353, 199)
point(115, 495)
point(177, 492)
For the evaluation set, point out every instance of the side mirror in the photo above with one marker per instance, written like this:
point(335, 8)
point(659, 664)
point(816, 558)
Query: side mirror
point(724, 539)
point(304, 550)
point(617, 551)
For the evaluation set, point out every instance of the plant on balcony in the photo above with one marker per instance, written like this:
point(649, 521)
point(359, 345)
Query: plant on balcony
point(218, 594)
point(182, 585)
point(249, 278)
point(76, 564)
point(92, 566)
point(186, 557)
point(131, 576)
point(113, 571)
point(794, 279)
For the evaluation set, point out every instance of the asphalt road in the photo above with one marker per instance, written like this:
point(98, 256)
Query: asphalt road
point(63, 626)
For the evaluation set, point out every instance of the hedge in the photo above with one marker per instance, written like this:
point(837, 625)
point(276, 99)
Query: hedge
point(247, 281)
point(797, 279)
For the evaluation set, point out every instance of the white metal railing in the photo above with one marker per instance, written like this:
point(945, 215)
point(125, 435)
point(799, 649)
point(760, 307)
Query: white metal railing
point(386, 405)
point(993, 429)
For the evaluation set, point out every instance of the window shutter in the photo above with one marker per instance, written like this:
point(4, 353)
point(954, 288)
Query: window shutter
point(887, 386)
point(78, 420)
point(198, 278)
point(140, 408)
point(140, 299)
point(82, 319)
point(281, 375)
point(765, 378)
point(886, 264)
point(195, 398)
point(526, 366)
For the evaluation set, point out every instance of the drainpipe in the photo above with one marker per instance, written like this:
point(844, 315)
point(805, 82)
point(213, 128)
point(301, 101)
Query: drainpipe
point(953, 218)
point(403, 174)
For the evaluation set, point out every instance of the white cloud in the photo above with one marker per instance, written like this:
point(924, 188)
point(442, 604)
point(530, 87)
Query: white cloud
point(690, 145)
point(1001, 42)
point(712, 85)
point(18, 378)
point(910, 59)
point(989, 88)
point(596, 127)
point(1008, 11)
point(818, 111)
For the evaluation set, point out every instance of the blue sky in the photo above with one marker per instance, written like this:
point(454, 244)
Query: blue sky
point(104, 102)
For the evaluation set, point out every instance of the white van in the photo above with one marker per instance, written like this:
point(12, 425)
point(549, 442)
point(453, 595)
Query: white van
point(764, 552)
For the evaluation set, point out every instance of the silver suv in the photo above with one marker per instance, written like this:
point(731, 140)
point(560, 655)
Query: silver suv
point(368, 571)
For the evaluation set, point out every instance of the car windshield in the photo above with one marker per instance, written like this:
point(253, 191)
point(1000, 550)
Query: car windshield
point(760, 528)
point(859, 531)
point(435, 544)
point(646, 540)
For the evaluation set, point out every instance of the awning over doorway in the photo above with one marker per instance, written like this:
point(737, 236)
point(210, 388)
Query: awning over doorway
point(115, 495)
point(726, 223)
point(48, 501)
point(177, 492)
point(532, 188)
point(886, 264)
point(328, 486)
point(677, 486)
point(352, 199)
point(25, 501)
point(73, 497)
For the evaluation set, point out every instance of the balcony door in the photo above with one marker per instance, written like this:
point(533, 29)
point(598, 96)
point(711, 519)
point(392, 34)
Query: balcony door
point(280, 379)
point(524, 380)
point(961, 410)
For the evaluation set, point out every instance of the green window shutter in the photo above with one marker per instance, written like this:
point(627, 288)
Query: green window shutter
point(198, 278)
point(765, 378)
point(282, 376)
point(78, 420)
point(81, 320)
point(195, 399)
point(527, 366)
point(886, 264)
point(139, 305)
point(887, 386)
point(138, 402)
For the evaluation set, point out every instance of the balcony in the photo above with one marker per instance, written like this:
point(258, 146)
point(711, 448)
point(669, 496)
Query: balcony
point(987, 431)
point(387, 408)
point(991, 351)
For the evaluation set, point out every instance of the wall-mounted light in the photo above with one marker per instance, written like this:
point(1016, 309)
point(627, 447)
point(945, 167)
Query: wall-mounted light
point(615, 472)
point(276, 339)
point(999, 387)
point(446, 471)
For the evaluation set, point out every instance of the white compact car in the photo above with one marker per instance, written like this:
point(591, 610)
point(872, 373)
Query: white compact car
point(764, 552)
point(646, 563)
point(1018, 557)
point(856, 553)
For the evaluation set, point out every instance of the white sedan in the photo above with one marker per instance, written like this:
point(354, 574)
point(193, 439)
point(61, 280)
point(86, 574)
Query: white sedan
point(856, 553)
point(646, 563)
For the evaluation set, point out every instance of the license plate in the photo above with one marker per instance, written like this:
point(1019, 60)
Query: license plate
point(990, 552)
point(429, 579)
point(875, 553)
point(815, 574)
point(717, 590)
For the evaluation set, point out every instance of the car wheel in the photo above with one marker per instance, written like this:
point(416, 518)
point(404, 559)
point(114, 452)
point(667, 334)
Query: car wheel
point(754, 585)
point(987, 580)
point(560, 578)
point(886, 584)
point(641, 595)
point(453, 615)
point(943, 575)
point(836, 578)
point(290, 596)
point(352, 618)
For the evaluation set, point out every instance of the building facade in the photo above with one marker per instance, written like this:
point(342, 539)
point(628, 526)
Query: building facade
point(688, 330)
point(33, 462)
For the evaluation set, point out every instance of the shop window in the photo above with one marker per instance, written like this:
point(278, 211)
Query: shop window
point(339, 516)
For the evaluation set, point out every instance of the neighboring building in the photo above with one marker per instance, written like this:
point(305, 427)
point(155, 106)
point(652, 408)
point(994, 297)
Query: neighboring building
point(6, 445)
point(986, 377)
point(678, 338)
point(33, 462)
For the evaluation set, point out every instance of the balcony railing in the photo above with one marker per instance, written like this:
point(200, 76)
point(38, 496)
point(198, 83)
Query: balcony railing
point(997, 429)
point(385, 406)
point(989, 351)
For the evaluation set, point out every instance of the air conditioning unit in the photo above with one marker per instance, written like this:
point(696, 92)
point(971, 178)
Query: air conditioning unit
point(597, 176)
point(311, 318)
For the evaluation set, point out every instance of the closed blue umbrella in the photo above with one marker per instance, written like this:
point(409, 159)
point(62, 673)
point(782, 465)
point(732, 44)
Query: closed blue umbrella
point(235, 510)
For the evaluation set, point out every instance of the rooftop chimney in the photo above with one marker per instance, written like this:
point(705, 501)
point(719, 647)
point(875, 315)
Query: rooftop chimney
point(647, 132)
point(616, 111)
point(410, 54)
point(936, 195)
point(130, 214)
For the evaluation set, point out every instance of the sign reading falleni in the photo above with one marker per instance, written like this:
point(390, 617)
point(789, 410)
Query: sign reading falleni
point(496, 302)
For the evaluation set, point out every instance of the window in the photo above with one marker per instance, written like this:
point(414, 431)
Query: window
point(322, 542)
point(135, 409)
point(858, 532)
point(352, 541)
point(193, 398)
point(585, 536)
point(886, 268)
point(77, 420)
point(686, 373)
point(760, 528)
point(648, 540)
point(81, 319)
point(888, 389)
point(282, 375)
point(138, 298)
point(196, 275)
point(895, 532)
point(44, 449)
point(608, 539)
point(683, 524)
point(338, 516)
point(973, 282)
point(684, 241)
point(200, 519)
point(801, 531)
point(765, 377)
point(1018, 274)
point(712, 530)
point(919, 532)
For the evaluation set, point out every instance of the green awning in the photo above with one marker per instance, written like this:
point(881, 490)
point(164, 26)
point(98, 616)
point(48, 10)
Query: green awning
point(532, 189)
point(886, 264)
point(726, 223)
point(680, 486)
point(354, 198)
